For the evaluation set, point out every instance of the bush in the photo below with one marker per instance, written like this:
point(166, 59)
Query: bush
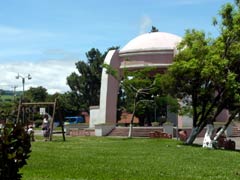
point(14, 151)
point(155, 124)
point(38, 123)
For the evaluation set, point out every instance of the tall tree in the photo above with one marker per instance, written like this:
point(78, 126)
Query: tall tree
point(228, 45)
point(205, 73)
point(86, 84)
point(67, 103)
point(38, 94)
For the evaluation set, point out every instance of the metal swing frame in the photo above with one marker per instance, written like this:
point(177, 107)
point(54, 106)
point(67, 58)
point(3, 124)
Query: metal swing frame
point(22, 106)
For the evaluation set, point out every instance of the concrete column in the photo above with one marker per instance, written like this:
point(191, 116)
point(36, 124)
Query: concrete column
point(107, 113)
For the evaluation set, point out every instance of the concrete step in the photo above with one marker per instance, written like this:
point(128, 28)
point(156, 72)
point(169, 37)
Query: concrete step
point(236, 131)
point(137, 131)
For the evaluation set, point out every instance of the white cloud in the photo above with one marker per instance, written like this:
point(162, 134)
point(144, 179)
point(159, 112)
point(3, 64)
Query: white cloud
point(145, 24)
point(21, 35)
point(50, 74)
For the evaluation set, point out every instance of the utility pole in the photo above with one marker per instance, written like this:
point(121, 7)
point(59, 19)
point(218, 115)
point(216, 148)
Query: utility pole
point(23, 81)
point(14, 92)
point(23, 84)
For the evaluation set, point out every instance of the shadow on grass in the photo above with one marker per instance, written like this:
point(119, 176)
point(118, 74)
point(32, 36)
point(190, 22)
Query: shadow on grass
point(219, 149)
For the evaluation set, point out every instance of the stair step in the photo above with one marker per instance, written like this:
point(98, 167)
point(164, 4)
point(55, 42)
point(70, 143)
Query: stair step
point(137, 131)
point(236, 131)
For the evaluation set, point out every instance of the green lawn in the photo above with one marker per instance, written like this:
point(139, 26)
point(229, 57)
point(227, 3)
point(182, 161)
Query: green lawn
point(7, 97)
point(91, 158)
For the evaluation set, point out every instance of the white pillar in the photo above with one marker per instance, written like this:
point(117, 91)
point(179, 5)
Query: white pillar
point(107, 113)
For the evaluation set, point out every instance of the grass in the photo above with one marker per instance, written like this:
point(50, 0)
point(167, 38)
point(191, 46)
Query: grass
point(91, 158)
point(7, 97)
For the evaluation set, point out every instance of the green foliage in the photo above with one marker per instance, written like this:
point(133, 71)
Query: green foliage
point(7, 110)
point(69, 104)
point(128, 159)
point(6, 97)
point(154, 98)
point(38, 123)
point(205, 74)
point(86, 85)
point(14, 151)
point(111, 71)
point(144, 92)
point(38, 94)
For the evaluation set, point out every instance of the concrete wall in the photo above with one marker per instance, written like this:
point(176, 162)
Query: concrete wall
point(108, 94)
point(94, 113)
point(172, 117)
point(160, 58)
point(184, 121)
point(223, 116)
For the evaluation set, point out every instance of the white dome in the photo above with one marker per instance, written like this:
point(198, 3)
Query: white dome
point(152, 42)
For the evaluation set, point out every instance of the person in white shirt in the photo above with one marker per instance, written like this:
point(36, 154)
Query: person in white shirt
point(46, 126)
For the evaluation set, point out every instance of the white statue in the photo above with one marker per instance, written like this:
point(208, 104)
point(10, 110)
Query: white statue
point(207, 141)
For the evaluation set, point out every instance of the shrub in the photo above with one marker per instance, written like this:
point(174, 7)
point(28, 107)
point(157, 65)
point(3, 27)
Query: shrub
point(14, 151)
point(154, 124)
point(38, 123)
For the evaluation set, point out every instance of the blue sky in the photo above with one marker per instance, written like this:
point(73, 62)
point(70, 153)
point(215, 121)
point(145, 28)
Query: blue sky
point(43, 37)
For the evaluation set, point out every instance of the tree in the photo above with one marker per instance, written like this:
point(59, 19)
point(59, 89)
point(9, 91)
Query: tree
point(140, 88)
point(69, 104)
point(15, 149)
point(38, 94)
point(228, 44)
point(205, 74)
point(66, 102)
point(154, 29)
point(7, 110)
point(86, 84)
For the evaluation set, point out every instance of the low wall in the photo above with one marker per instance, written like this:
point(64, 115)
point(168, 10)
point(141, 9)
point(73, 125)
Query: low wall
point(78, 126)
point(81, 132)
point(168, 129)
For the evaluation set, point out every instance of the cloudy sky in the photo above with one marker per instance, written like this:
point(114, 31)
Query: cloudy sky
point(45, 38)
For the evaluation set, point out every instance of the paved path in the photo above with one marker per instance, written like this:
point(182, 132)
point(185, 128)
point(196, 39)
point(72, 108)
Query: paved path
point(38, 132)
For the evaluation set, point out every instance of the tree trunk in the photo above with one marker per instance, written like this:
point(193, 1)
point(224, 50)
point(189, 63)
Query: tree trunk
point(230, 119)
point(219, 133)
point(130, 130)
point(191, 138)
point(131, 123)
point(132, 119)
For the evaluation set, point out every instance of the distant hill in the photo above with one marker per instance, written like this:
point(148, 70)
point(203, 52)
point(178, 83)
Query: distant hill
point(8, 95)
point(9, 92)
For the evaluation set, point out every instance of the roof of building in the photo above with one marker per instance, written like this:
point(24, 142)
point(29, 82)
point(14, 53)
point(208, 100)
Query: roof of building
point(154, 41)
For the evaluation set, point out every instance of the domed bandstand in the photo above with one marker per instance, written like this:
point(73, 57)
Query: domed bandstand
point(155, 49)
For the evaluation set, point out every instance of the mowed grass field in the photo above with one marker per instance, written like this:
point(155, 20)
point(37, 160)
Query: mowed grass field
point(7, 97)
point(92, 158)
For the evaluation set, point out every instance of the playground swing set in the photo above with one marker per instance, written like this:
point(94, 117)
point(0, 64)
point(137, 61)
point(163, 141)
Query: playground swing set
point(24, 115)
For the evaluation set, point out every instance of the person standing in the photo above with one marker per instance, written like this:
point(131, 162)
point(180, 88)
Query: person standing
point(30, 131)
point(46, 126)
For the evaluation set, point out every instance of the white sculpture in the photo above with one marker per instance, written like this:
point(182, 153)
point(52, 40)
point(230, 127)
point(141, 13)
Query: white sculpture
point(207, 141)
